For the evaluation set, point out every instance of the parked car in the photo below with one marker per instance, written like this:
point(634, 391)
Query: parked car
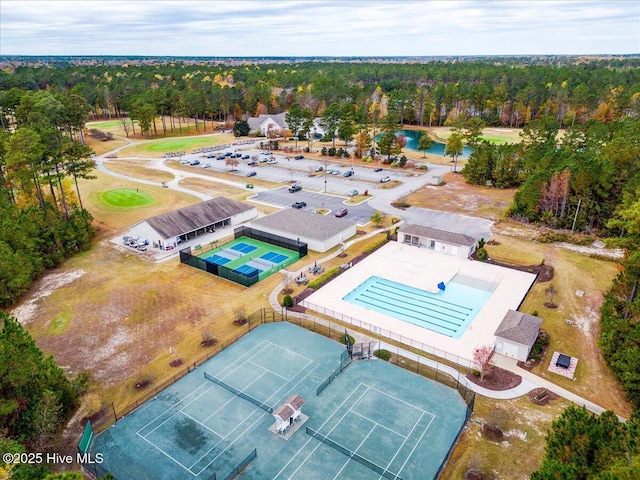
point(220, 157)
point(335, 172)
point(206, 165)
point(246, 157)
point(252, 162)
point(385, 180)
point(319, 168)
point(298, 157)
point(352, 193)
point(377, 169)
point(194, 162)
point(228, 154)
point(348, 173)
point(185, 162)
point(342, 212)
point(272, 161)
point(295, 188)
point(299, 205)
point(252, 173)
point(264, 160)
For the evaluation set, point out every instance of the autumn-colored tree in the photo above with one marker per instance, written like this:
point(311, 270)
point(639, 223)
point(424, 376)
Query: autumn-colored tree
point(554, 195)
point(482, 359)
point(232, 162)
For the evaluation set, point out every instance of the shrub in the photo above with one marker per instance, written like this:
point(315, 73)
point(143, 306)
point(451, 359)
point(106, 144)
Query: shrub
point(318, 282)
point(332, 152)
point(343, 339)
point(481, 254)
point(287, 301)
point(374, 246)
point(323, 151)
point(382, 354)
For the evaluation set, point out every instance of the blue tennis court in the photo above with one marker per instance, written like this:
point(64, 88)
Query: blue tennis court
point(244, 247)
point(217, 259)
point(447, 312)
point(248, 270)
point(274, 257)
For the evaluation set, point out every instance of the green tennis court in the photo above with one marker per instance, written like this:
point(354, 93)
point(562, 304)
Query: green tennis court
point(375, 420)
point(249, 257)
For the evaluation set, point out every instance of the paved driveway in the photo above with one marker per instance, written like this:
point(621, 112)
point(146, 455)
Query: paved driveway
point(281, 197)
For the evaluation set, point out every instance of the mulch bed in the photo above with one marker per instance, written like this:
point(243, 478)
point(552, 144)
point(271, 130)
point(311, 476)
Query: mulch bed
point(240, 322)
point(287, 291)
point(297, 308)
point(545, 396)
point(360, 232)
point(342, 255)
point(176, 363)
point(304, 294)
point(143, 384)
point(496, 379)
point(208, 343)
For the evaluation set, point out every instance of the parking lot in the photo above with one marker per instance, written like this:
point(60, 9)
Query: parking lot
point(303, 171)
point(281, 197)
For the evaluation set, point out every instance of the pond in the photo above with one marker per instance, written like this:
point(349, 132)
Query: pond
point(413, 138)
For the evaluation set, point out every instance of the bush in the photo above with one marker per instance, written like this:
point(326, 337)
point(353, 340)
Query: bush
point(323, 151)
point(374, 246)
point(287, 301)
point(382, 354)
point(320, 281)
point(343, 339)
point(481, 254)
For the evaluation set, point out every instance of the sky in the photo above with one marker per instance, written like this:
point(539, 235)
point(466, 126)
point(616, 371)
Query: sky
point(239, 28)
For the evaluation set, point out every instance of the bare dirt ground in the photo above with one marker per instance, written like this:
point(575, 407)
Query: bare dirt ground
point(455, 195)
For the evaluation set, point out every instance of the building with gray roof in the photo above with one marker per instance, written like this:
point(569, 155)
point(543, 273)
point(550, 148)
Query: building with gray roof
point(169, 229)
point(442, 241)
point(319, 232)
point(516, 334)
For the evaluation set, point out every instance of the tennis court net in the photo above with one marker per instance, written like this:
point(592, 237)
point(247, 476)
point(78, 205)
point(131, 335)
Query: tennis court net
point(242, 395)
point(358, 458)
point(233, 253)
point(264, 263)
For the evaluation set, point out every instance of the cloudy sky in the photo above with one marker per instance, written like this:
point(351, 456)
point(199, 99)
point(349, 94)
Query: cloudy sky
point(241, 28)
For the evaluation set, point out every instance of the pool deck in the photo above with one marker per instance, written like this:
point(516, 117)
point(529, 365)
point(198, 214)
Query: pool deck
point(424, 269)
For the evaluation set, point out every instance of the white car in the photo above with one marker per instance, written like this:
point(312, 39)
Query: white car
point(385, 180)
point(352, 193)
point(272, 161)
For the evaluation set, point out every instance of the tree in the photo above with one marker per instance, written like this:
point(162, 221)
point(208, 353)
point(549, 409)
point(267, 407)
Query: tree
point(346, 127)
point(78, 163)
point(231, 162)
point(330, 121)
point(295, 121)
point(241, 128)
point(376, 218)
point(424, 144)
point(472, 130)
point(551, 293)
point(482, 358)
point(453, 148)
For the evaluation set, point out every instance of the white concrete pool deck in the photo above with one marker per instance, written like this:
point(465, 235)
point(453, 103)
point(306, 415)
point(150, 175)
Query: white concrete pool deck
point(424, 269)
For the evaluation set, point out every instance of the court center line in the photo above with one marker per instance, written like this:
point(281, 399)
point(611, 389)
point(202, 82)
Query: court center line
point(326, 435)
point(405, 441)
point(201, 424)
point(379, 424)
point(174, 414)
point(297, 383)
point(402, 401)
point(271, 372)
point(355, 451)
point(237, 363)
point(221, 407)
point(416, 445)
point(290, 351)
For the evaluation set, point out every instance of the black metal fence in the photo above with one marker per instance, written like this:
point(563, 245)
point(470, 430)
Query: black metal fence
point(248, 398)
point(222, 271)
point(345, 361)
point(242, 465)
point(284, 242)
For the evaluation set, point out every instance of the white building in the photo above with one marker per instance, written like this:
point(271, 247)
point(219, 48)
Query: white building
point(166, 231)
point(266, 122)
point(287, 413)
point(516, 334)
point(319, 232)
point(441, 241)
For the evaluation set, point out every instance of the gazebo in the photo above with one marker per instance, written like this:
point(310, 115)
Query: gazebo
point(287, 413)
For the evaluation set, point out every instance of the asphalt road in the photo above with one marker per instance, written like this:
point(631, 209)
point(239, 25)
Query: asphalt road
point(281, 197)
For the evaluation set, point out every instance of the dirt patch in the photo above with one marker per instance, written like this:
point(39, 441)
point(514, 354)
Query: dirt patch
point(497, 379)
point(287, 291)
point(493, 433)
point(544, 272)
point(541, 396)
point(360, 232)
point(142, 384)
point(209, 342)
point(240, 322)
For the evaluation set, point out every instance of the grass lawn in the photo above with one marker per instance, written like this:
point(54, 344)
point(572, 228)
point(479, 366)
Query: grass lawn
point(125, 198)
point(139, 169)
point(107, 124)
point(155, 148)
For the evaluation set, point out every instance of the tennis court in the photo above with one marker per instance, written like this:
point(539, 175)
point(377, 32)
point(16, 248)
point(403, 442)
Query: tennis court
point(249, 257)
point(374, 420)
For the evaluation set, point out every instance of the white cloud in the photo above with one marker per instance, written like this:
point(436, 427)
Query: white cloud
point(316, 28)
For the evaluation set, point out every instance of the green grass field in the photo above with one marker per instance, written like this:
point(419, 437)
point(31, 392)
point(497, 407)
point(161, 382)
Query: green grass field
point(126, 198)
point(171, 145)
point(106, 124)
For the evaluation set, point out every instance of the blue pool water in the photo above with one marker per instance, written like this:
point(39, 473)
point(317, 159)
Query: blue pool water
point(413, 140)
point(449, 312)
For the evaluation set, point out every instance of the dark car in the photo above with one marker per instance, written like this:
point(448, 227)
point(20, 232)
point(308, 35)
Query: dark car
point(342, 212)
point(299, 205)
point(377, 169)
point(245, 157)
point(295, 188)
point(298, 157)
point(348, 173)
point(252, 173)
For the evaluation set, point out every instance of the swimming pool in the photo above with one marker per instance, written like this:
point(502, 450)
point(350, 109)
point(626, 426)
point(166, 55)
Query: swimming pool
point(447, 312)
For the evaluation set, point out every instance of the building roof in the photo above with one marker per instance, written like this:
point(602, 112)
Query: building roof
point(440, 235)
point(192, 218)
point(301, 223)
point(283, 412)
point(256, 122)
point(519, 327)
point(296, 401)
